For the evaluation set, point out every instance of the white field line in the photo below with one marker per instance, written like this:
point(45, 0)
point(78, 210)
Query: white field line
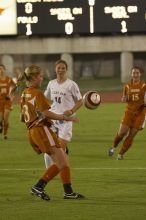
point(76, 168)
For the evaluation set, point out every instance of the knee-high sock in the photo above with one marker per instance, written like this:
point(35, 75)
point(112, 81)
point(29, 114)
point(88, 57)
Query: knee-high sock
point(126, 145)
point(117, 140)
point(50, 173)
point(66, 179)
point(65, 175)
point(5, 128)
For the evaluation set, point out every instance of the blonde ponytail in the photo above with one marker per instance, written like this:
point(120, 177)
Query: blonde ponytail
point(31, 71)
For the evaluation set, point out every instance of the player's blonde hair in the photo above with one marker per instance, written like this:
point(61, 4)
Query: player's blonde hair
point(29, 72)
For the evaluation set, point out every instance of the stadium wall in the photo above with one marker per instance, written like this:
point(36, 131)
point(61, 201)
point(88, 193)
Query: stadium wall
point(88, 57)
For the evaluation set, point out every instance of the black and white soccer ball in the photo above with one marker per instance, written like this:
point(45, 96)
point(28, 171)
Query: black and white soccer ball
point(91, 99)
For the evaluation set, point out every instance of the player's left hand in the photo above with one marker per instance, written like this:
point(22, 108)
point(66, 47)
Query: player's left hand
point(72, 118)
point(68, 113)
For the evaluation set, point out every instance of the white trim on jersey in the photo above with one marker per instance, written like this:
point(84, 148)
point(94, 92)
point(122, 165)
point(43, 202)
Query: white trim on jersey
point(51, 140)
point(143, 125)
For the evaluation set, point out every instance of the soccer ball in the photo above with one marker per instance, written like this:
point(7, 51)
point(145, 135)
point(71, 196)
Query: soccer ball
point(91, 99)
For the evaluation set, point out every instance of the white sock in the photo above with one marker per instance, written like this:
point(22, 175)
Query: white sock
point(48, 160)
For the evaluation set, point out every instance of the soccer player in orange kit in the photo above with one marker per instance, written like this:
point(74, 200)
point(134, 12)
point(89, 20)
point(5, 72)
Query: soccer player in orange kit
point(35, 110)
point(134, 116)
point(6, 85)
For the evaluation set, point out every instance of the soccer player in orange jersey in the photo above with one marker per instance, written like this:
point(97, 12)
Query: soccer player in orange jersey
point(35, 109)
point(134, 116)
point(6, 85)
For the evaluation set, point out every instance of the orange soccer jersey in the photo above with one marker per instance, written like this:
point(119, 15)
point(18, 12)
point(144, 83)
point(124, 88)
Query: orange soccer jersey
point(33, 103)
point(135, 110)
point(5, 87)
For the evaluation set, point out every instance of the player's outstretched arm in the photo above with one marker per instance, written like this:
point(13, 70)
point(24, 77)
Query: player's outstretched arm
point(54, 116)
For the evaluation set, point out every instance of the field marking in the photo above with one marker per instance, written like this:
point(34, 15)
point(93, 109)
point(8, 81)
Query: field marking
point(77, 168)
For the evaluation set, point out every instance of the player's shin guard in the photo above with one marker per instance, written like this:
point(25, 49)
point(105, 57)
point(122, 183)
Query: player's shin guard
point(66, 179)
point(50, 173)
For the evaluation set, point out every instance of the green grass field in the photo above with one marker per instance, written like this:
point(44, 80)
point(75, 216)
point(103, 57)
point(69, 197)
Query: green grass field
point(102, 85)
point(114, 190)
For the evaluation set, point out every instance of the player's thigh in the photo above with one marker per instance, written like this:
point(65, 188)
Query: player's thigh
point(127, 119)
point(59, 157)
point(1, 108)
point(132, 132)
point(123, 129)
point(1, 115)
point(139, 121)
point(8, 105)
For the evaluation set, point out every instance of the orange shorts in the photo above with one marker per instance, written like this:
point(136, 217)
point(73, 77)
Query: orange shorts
point(5, 104)
point(133, 120)
point(42, 138)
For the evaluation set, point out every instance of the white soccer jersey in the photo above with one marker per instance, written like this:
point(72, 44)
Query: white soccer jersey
point(63, 96)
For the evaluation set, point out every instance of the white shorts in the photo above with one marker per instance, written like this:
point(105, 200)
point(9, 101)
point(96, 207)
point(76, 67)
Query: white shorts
point(63, 129)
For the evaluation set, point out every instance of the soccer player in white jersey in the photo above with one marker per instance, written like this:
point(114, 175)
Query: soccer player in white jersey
point(66, 98)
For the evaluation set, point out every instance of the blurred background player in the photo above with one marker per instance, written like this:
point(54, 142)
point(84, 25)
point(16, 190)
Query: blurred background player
point(35, 109)
point(134, 117)
point(6, 85)
point(66, 98)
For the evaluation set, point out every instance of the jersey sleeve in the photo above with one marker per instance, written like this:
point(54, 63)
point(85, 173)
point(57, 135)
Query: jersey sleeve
point(76, 92)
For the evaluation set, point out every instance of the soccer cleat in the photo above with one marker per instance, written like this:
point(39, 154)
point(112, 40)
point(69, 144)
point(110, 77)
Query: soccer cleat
point(110, 152)
point(73, 195)
point(120, 157)
point(5, 137)
point(40, 193)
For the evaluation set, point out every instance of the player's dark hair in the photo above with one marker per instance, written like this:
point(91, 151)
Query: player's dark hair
point(141, 70)
point(61, 61)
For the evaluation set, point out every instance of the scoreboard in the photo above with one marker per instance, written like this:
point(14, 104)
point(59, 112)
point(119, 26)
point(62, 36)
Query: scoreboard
point(71, 17)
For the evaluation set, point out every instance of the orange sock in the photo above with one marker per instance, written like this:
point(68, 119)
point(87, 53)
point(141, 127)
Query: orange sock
point(65, 175)
point(50, 173)
point(126, 145)
point(117, 140)
point(5, 129)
